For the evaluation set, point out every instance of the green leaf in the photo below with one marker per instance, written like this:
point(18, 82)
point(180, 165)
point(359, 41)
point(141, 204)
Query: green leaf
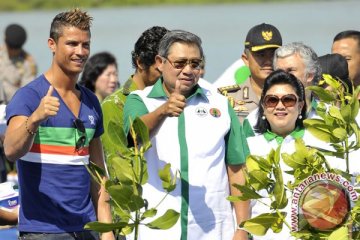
point(119, 213)
point(259, 179)
point(334, 83)
point(166, 221)
point(136, 203)
point(335, 113)
point(293, 161)
point(165, 173)
point(279, 191)
point(143, 133)
point(259, 225)
point(340, 133)
point(277, 156)
point(117, 137)
point(342, 233)
point(126, 197)
point(321, 93)
point(321, 109)
point(149, 213)
point(168, 183)
point(128, 229)
point(254, 162)
point(122, 169)
point(104, 227)
point(96, 172)
point(247, 193)
point(346, 113)
point(140, 169)
point(320, 130)
point(120, 193)
point(355, 104)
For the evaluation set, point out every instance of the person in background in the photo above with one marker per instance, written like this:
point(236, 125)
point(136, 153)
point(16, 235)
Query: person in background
point(347, 43)
point(146, 73)
point(336, 66)
point(52, 138)
point(260, 44)
point(100, 75)
point(17, 67)
point(301, 61)
point(179, 113)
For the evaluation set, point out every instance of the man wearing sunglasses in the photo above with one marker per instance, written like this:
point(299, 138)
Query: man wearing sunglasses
point(261, 42)
point(54, 128)
point(193, 128)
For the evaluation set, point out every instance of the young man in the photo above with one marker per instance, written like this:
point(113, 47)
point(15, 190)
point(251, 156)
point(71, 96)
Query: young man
point(347, 43)
point(260, 43)
point(146, 74)
point(193, 128)
point(54, 129)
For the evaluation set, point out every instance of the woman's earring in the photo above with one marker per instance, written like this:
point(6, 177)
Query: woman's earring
point(263, 117)
point(300, 116)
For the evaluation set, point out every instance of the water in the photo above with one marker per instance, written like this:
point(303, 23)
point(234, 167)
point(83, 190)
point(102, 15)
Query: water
point(222, 28)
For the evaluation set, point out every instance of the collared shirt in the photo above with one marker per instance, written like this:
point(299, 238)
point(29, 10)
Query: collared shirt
point(297, 133)
point(199, 143)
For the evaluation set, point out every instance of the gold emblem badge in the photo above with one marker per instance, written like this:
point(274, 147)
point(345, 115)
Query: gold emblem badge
point(267, 35)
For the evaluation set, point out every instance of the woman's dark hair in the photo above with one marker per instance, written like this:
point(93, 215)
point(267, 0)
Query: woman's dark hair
point(94, 67)
point(336, 66)
point(280, 77)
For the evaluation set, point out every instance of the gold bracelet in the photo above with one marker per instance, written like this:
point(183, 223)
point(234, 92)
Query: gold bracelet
point(27, 129)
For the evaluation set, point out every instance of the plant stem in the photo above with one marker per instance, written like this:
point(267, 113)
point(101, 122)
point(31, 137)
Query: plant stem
point(136, 233)
point(282, 218)
point(161, 200)
point(347, 155)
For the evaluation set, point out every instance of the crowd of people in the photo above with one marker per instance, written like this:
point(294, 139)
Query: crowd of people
point(57, 122)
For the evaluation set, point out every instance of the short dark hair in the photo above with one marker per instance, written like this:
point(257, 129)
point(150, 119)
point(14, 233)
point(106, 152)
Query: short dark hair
point(73, 18)
point(336, 66)
point(147, 46)
point(348, 34)
point(280, 77)
point(15, 36)
point(94, 67)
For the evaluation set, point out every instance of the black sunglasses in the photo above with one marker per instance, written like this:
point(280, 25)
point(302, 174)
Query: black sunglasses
point(80, 143)
point(288, 100)
point(195, 64)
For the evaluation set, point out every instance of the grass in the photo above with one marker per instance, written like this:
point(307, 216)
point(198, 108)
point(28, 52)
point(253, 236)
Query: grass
point(27, 5)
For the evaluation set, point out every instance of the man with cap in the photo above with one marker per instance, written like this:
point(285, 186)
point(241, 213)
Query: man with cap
point(261, 42)
point(17, 67)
